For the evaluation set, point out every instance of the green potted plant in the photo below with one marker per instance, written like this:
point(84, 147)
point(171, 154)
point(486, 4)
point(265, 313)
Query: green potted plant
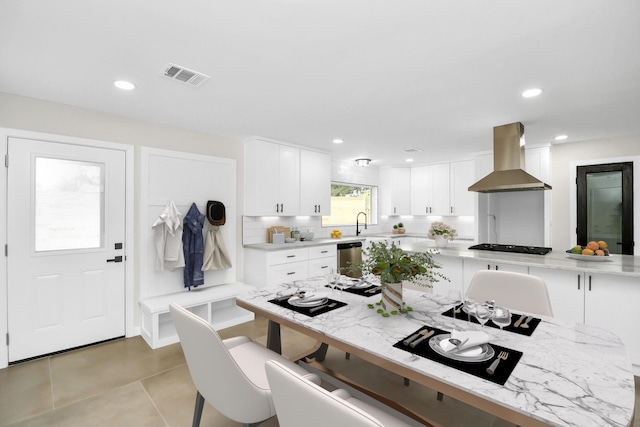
point(395, 229)
point(400, 228)
point(393, 266)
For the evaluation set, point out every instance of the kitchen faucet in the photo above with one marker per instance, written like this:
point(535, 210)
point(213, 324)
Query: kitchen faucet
point(358, 223)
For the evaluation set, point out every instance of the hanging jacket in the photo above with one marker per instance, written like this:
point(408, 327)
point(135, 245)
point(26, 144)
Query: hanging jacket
point(168, 238)
point(193, 245)
point(216, 256)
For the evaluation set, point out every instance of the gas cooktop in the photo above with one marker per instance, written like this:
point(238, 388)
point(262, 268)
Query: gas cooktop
point(534, 250)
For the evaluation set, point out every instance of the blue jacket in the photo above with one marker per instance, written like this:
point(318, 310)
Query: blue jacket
point(193, 247)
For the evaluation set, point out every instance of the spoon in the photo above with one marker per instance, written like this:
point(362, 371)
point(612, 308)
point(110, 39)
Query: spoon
point(457, 344)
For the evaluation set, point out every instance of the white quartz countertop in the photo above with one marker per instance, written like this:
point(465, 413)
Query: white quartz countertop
point(626, 265)
point(305, 244)
point(570, 375)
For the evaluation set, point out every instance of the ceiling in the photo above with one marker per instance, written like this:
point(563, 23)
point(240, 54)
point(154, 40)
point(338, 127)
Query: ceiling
point(384, 76)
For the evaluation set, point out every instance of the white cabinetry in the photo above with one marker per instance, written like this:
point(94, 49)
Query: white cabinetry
point(452, 269)
point(315, 183)
point(395, 191)
point(268, 268)
point(603, 300)
point(442, 189)
point(462, 175)
point(272, 179)
point(215, 304)
point(472, 266)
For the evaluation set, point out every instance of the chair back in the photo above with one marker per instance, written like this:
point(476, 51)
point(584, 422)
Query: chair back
point(513, 290)
point(215, 373)
point(300, 402)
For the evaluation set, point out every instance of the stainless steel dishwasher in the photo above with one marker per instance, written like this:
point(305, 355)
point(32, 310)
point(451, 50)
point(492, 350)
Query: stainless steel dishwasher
point(349, 253)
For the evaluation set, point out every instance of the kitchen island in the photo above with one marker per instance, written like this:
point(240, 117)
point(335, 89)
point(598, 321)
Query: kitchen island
point(599, 293)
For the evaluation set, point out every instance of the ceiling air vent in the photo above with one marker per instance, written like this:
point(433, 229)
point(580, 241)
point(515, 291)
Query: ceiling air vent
point(185, 75)
point(412, 150)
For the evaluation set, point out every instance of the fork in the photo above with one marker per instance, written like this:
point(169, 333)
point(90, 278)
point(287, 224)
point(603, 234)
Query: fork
point(502, 356)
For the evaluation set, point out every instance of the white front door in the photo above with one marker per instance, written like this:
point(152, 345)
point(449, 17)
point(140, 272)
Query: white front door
point(65, 246)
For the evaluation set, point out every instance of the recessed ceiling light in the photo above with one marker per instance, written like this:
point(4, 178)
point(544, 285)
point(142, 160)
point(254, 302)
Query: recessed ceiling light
point(409, 160)
point(122, 84)
point(561, 137)
point(530, 93)
point(338, 141)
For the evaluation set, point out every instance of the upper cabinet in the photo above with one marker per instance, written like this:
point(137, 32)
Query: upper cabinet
point(442, 189)
point(395, 191)
point(283, 180)
point(315, 183)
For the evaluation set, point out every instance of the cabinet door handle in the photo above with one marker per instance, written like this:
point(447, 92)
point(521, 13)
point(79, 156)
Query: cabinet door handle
point(488, 266)
point(291, 273)
point(319, 209)
point(281, 208)
point(578, 282)
point(496, 267)
point(589, 283)
point(430, 211)
point(324, 252)
point(450, 209)
point(277, 208)
point(291, 256)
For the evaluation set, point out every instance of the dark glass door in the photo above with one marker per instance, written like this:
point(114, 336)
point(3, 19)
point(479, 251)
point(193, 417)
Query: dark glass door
point(605, 205)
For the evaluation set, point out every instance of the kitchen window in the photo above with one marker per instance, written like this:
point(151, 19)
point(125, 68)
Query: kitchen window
point(347, 200)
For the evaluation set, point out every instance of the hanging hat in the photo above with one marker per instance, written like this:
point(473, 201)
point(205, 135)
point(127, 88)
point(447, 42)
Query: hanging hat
point(216, 213)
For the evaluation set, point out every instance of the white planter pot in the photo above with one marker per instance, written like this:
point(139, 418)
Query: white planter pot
point(441, 241)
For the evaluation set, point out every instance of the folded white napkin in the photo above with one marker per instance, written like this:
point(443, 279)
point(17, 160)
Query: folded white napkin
point(469, 339)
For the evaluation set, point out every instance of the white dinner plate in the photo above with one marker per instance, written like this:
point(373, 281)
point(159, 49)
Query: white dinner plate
point(591, 258)
point(475, 354)
point(313, 301)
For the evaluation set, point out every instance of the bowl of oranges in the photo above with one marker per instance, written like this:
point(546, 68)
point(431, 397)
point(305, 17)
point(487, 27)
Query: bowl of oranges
point(592, 251)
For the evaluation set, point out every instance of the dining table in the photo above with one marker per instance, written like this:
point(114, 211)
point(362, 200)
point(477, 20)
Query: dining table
point(556, 372)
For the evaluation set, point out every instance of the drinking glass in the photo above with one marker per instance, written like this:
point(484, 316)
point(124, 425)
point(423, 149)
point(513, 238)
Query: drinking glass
point(455, 296)
point(469, 307)
point(501, 317)
point(334, 279)
point(483, 313)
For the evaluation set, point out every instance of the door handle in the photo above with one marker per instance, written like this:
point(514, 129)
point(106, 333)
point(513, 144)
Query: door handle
point(116, 259)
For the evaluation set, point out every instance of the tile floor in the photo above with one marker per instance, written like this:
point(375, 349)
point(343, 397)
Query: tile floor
point(125, 383)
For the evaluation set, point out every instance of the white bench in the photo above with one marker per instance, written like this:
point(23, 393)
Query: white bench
point(215, 304)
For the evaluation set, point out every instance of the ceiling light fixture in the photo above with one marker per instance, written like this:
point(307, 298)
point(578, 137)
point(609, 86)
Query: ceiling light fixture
point(124, 85)
point(338, 141)
point(530, 93)
point(561, 137)
point(409, 160)
point(363, 163)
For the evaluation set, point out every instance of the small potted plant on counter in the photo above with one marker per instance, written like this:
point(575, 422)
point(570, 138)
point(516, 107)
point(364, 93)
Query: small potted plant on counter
point(441, 233)
point(400, 228)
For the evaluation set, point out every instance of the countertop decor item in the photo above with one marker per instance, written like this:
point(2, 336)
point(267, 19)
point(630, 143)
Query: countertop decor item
point(392, 266)
point(441, 233)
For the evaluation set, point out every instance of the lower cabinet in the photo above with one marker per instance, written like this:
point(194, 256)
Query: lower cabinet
point(268, 268)
point(452, 269)
point(604, 300)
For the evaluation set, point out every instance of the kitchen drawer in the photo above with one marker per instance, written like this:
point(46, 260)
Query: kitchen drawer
point(286, 256)
point(285, 273)
point(323, 251)
point(322, 266)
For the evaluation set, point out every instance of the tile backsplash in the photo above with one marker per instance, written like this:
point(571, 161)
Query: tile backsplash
point(254, 229)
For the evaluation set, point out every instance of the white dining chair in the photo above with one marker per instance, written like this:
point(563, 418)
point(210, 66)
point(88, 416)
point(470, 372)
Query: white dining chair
point(300, 402)
point(516, 291)
point(229, 374)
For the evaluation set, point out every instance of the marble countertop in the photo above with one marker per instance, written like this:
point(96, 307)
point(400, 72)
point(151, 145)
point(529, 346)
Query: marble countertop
point(305, 244)
point(570, 374)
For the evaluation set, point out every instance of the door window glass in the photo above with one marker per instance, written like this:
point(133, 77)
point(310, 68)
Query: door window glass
point(69, 199)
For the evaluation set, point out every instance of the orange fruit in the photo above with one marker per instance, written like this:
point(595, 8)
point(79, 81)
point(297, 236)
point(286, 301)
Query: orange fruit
point(600, 252)
point(587, 252)
point(603, 244)
point(593, 246)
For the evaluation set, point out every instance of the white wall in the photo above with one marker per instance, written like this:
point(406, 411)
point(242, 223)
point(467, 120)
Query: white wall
point(48, 117)
point(564, 158)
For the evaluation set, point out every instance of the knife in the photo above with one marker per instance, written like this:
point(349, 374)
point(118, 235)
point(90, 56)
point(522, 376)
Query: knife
point(424, 336)
point(515, 325)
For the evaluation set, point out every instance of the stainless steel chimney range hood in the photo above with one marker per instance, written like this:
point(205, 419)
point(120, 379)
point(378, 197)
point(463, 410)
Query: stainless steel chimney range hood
point(508, 164)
